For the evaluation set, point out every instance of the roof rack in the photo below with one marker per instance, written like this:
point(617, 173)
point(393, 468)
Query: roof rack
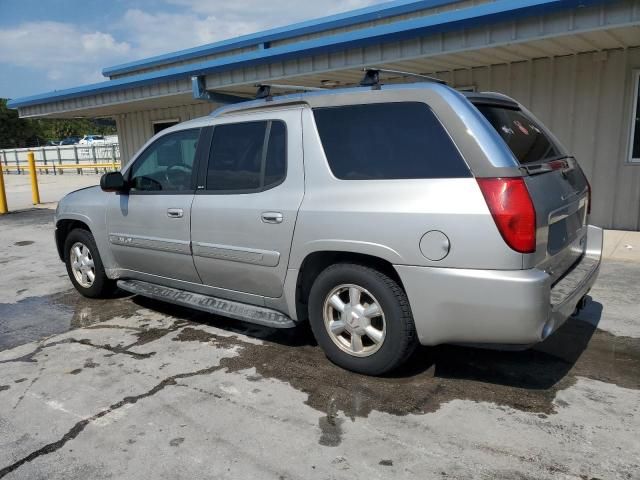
point(264, 89)
point(372, 77)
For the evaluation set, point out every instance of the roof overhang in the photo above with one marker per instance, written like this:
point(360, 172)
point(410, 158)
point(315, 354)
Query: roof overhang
point(262, 39)
point(499, 32)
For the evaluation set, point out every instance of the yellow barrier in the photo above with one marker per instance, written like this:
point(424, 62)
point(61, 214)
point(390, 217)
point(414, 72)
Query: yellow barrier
point(35, 192)
point(71, 166)
point(3, 196)
point(33, 166)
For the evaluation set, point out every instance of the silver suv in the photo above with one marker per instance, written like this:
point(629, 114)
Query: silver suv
point(385, 216)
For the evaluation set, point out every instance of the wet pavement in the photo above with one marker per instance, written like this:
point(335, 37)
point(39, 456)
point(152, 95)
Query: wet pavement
point(135, 388)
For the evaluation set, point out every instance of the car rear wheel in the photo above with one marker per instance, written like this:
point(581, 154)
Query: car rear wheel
point(84, 265)
point(361, 318)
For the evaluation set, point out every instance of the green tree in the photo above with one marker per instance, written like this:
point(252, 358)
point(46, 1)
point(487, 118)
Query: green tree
point(15, 132)
point(18, 132)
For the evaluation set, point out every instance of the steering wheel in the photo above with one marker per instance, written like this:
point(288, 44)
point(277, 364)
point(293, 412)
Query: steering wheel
point(178, 169)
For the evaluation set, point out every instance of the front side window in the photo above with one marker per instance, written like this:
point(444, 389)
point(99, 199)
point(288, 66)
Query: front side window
point(167, 165)
point(635, 125)
point(247, 157)
point(385, 141)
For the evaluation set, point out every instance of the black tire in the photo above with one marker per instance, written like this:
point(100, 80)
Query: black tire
point(102, 286)
point(400, 339)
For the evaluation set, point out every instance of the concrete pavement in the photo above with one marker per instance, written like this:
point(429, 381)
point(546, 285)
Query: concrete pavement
point(52, 188)
point(132, 388)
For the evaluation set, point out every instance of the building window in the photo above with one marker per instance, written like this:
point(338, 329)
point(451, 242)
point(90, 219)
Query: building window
point(160, 125)
point(634, 145)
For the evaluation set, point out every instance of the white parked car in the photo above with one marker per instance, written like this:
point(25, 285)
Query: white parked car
point(92, 140)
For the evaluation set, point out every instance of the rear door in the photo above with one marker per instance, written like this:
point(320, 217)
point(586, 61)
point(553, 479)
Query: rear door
point(558, 187)
point(246, 205)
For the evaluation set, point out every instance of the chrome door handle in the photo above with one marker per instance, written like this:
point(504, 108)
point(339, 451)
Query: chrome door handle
point(272, 217)
point(175, 213)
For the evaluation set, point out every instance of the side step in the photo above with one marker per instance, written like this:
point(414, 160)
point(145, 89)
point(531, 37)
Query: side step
point(240, 311)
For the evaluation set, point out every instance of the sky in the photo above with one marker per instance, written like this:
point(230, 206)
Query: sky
point(48, 45)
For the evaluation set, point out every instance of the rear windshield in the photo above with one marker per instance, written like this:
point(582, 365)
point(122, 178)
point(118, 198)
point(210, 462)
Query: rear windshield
point(526, 139)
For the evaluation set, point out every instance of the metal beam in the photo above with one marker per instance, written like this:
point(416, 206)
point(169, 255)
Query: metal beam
point(200, 92)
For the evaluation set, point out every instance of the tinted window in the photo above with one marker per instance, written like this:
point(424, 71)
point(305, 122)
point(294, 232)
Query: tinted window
point(387, 141)
point(247, 156)
point(167, 164)
point(525, 138)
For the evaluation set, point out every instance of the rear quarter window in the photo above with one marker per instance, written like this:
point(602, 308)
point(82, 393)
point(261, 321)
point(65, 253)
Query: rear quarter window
point(386, 141)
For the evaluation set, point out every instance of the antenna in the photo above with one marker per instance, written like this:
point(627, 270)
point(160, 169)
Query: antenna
point(372, 76)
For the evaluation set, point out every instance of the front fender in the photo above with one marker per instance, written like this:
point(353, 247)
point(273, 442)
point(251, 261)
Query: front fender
point(88, 206)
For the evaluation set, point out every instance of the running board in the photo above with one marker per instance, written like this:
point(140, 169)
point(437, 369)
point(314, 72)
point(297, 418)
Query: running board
point(228, 308)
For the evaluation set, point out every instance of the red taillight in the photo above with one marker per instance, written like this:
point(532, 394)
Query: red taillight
point(512, 209)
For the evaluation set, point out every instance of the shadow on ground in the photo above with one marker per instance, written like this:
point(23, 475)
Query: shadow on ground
point(526, 380)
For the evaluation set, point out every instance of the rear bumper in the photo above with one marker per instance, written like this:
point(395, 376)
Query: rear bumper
point(518, 307)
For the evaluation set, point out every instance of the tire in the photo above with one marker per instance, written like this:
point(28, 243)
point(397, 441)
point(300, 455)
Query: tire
point(393, 328)
point(100, 286)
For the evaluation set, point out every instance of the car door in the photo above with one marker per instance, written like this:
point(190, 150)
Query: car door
point(149, 226)
point(246, 205)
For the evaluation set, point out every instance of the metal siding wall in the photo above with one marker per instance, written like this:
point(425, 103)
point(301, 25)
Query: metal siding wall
point(586, 101)
point(135, 128)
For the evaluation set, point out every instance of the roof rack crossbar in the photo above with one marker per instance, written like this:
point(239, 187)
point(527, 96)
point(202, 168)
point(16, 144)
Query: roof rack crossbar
point(372, 76)
point(264, 89)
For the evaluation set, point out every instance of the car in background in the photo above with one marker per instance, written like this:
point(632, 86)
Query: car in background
point(73, 140)
point(92, 140)
point(52, 143)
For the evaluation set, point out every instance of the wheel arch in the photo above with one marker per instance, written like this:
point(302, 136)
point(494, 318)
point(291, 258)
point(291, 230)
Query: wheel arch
point(315, 262)
point(64, 226)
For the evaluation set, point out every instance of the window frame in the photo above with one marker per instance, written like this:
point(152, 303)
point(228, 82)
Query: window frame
point(635, 96)
point(201, 188)
point(194, 171)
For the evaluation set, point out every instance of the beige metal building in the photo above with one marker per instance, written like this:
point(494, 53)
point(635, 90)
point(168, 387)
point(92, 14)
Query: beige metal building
point(574, 63)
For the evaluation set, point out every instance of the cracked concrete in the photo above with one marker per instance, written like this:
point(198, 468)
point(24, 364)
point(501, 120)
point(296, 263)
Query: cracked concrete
point(133, 388)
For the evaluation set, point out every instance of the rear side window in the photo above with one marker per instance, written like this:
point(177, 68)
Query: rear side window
point(386, 141)
point(246, 157)
point(526, 139)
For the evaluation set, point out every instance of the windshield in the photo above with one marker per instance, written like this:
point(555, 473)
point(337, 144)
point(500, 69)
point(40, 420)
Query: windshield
point(526, 139)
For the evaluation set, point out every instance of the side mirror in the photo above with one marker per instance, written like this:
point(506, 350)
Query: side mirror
point(113, 182)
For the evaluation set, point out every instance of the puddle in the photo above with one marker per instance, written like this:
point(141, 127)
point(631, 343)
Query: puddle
point(526, 381)
point(38, 317)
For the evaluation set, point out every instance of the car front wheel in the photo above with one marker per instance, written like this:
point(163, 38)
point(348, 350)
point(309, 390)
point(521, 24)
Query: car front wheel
point(84, 265)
